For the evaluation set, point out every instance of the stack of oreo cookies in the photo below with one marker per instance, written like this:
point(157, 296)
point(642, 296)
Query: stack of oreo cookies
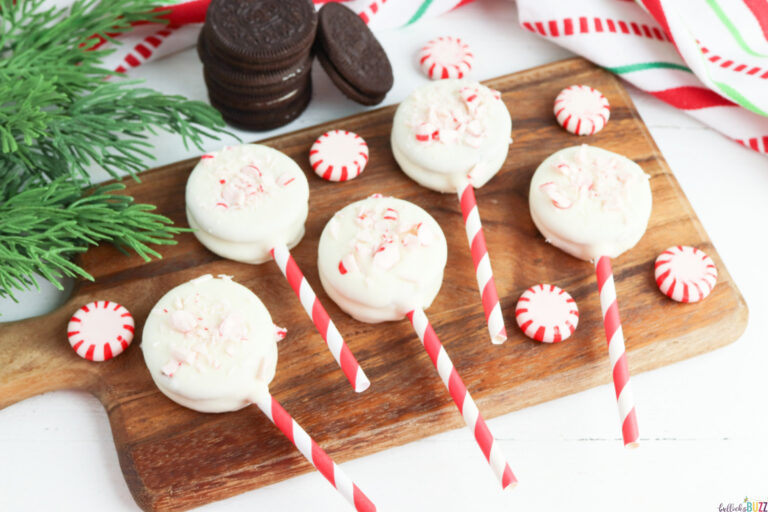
point(257, 60)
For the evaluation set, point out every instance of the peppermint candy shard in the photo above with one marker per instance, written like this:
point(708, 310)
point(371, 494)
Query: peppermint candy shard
point(582, 110)
point(338, 155)
point(100, 330)
point(446, 57)
point(547, 313)
point(685, 274)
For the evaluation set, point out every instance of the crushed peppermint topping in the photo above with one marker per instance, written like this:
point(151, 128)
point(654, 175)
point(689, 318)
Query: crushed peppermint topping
point(600, 179)
point(427, 131)
point(381, 239)
point(387, 255)
point(348, 264)
point(559, 199)
point(458, 123)
point(170, 367)
point(232, 327)
point(285, 179)
point(248, 185)
point(205, 326)
point(183, 321)
point(390, 214)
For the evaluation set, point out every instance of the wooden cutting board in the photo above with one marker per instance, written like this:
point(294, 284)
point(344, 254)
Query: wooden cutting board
point(174, 458)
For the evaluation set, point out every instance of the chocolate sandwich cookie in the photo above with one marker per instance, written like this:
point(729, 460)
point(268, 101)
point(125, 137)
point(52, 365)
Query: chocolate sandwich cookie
point(341, 84)
point(239, 81)
point(255, 102)
point(260, 34)
point(252, 90)
point(266, 119)
point(352, 56)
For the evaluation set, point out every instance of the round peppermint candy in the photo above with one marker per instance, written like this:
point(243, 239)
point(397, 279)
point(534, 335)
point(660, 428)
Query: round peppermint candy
point(338, 155)
point(582, 110)
point(446, 57)
point(685, 274)
point(100, 330)
point(547, 313)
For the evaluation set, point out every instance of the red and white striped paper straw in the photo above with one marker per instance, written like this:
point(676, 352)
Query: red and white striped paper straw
point(313, 453)
point(482, 262)
point(319, 316)
point(461, 397)
point(616, 351)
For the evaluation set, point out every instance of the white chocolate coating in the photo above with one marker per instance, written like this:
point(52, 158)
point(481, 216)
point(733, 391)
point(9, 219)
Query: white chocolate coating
point(590, 202)
point(380, 258)
point(244, 200)
point(451, 130)
point(210, 345)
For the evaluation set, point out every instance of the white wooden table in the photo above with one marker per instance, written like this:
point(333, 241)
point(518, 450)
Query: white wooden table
point(703, 421)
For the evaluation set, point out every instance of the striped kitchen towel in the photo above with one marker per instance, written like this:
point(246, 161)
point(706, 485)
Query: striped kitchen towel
point(706, 57)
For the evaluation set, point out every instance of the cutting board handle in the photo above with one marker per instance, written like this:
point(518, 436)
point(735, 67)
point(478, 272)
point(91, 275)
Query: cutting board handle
point(35, 358)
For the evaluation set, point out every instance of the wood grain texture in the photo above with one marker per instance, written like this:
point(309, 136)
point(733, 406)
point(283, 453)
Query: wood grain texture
point(174, 458)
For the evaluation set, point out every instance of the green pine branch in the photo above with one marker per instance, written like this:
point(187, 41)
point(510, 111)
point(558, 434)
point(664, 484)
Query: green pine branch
point(61, 112)
point(108, 127)
point(42, 227)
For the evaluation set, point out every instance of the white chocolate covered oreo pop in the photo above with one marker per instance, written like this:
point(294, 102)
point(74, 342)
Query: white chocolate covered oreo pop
point(210, 345)
point(590, 202)
point(380, 258)
point(451, 130)
point(242, 201)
